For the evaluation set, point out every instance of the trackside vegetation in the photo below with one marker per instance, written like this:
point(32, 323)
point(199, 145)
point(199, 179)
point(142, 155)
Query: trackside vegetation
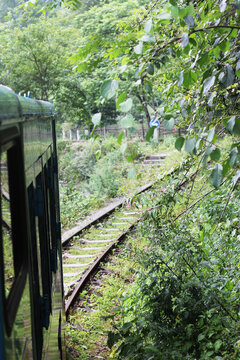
point(184, 302)
point(92, 173)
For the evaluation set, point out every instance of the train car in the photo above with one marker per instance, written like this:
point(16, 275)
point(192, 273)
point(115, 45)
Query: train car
point(31, 291)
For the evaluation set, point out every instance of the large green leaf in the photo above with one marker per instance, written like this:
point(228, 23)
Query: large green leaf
point(126, 105)
point(98, 154)
point(185, 40)
point(179, 143)
point(169, 124)
point(208, 84)
point(149, 134)
point(120, 99)
point(150, 68)
point(233, 157)
point(138, 49)
point(211, 134)
point(230, 124)
point(187, 79)
point(108, 89)
point(120, 137)
point(215, 154)
point(189, 20)
point(96, 118)
point(190, 144)
point(127, 121)
point(216, 176)
point(227, 77)
point(174, 12)
point(148, 26)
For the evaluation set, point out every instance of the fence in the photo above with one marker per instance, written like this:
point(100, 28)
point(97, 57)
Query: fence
point(137, 132)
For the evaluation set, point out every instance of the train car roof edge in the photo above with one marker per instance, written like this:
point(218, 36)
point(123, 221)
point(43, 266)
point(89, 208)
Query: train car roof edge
point(13, 106)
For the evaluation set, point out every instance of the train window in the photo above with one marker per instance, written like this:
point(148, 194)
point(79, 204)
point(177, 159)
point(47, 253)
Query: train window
point(9, 274)
point(52, 212)
point(13, 242)
point(43, 228)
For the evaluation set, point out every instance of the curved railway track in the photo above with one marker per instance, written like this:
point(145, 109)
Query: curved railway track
point(86, 245)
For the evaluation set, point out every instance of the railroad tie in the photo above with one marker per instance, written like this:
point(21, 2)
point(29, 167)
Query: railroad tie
point(107, 229)
point(117, 224)
point(97, 241)
point(71, 256)
point(75, 265)
point(71, 275)
point(103, 235)
point(130, 213)
point(91, 248)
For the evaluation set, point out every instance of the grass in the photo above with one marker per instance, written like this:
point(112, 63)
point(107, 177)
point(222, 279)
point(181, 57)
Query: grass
point(88, 327)
point(87, 183)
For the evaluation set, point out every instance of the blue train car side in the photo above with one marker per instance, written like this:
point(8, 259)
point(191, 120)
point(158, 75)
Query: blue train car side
point(31, 282)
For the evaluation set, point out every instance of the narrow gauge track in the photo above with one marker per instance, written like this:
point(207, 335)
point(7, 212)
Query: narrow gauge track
point(85, 246)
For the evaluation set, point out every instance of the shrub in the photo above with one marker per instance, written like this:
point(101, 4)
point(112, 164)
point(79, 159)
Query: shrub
point(184, 304)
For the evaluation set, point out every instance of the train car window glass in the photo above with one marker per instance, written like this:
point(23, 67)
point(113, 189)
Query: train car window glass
point(9, 274)
point(14, 235)
point(52, 214)
point(36, 272)
point(43, 229)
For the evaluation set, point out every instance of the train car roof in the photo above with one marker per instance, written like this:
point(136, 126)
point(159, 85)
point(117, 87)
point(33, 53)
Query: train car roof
point(14, 107)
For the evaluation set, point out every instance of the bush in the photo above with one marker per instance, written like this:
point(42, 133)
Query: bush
point(184, 304)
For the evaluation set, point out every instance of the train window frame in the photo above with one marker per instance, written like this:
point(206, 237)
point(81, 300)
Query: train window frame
point(10, 142)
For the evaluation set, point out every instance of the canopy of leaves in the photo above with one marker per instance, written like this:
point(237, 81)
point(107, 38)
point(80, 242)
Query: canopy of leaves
point(188, 55)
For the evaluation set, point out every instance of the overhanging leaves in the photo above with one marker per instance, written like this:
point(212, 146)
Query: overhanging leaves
point(179, 143)
point(169, 124)
point(189, 20)
point(148, 26)
point(108, 89)
point(185, 40)
point(126, 105)
point(208, 84)
point(138, 49)
point(216, 176)
point(96, 118)
point(190, 144)
point(127, 121)
point(149, 134)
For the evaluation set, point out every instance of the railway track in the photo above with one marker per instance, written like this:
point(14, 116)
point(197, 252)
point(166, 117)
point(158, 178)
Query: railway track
point(85, 246)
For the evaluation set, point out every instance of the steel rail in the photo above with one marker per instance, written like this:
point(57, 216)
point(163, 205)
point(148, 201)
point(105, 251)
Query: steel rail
point(93, 267)
point(69, 234)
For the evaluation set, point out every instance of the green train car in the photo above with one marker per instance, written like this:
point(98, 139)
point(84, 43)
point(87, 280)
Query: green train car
point(31, 282)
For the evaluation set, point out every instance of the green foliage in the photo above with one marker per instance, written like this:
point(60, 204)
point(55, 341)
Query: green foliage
point(88, 176)
point(33, 60)
point(187, 53)
point(184, 304)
